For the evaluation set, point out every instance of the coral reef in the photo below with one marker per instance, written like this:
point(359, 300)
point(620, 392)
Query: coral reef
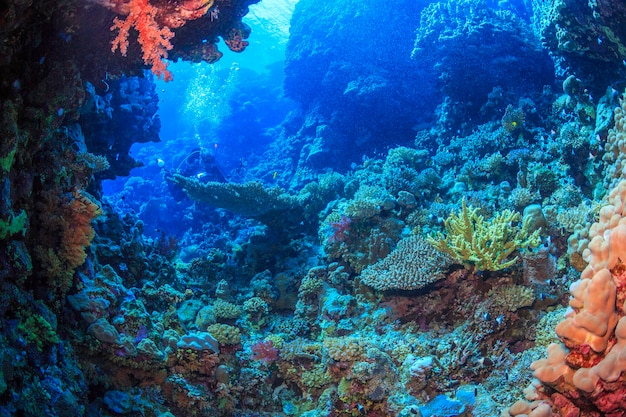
point(361, 102)
point(584, 372)
point(587, 42)
point(305, 285)
point(480, 37)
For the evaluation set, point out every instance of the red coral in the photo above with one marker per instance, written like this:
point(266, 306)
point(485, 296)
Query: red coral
point(264, 351)
point(584, 357)
point(341, 230)
point(154, 40)
point(564, 406)
point(167, 246)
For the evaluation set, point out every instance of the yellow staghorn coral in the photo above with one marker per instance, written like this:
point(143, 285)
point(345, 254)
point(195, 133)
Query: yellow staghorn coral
point(486, 245)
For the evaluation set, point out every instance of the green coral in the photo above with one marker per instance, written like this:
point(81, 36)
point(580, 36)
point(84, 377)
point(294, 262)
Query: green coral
point(6, 162)
point(485, 244)
point(225, 310)
point(13, 225)
point(36, 330)
point(225, 334)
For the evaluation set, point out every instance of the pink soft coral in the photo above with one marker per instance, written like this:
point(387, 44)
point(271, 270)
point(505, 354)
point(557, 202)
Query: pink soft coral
point(264, 351)
point(341, 230)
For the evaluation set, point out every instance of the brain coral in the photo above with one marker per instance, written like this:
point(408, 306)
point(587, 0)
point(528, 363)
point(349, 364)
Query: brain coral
point(413, 264)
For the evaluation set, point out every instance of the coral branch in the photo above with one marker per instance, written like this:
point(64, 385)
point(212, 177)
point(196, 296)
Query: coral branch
point(154, 40)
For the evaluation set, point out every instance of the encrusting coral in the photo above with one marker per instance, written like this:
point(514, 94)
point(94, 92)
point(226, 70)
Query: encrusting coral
point(485, 244)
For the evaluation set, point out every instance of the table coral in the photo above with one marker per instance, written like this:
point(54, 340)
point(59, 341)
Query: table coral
point(251, 199)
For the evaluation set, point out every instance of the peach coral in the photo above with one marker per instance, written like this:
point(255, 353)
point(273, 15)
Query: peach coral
point(77, 232)
point(587, 373)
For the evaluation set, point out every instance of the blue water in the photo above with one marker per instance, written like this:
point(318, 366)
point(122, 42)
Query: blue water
point(226, 108)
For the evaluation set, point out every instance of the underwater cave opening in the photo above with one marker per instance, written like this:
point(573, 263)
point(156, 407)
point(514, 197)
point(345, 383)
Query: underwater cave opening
point(213, 121)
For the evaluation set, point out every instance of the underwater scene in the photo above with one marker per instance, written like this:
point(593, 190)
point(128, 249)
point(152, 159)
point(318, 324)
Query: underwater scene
point(277, 208)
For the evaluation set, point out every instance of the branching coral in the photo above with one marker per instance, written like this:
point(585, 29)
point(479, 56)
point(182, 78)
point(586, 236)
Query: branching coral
point(485, 244)
point(154, 40)
point(149, 31)
point(154, 24)
point(36, 330)
point(340, 229)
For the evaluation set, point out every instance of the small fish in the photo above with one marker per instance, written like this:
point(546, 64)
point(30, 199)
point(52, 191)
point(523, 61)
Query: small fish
point(275, 174)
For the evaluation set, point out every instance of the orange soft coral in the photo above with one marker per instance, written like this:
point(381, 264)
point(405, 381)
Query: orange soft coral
point(77, 231)
point(154, 40)
point(66, 232)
